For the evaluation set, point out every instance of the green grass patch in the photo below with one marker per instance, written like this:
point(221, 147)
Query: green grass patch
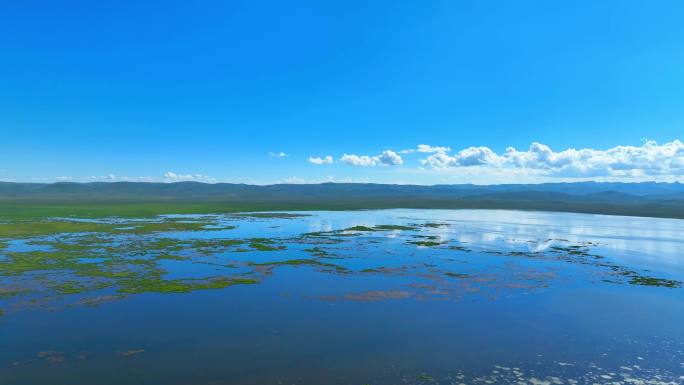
point(456, 275)
point(24, 228)
point(380, 228)
point(425, 243)
point(435, 225)
point(181, 286)
point(393, 227)
point(265, 244)
point(301, 262)
point(317, 251)
point(270, 215)
point(652, 281)
point(360, 228)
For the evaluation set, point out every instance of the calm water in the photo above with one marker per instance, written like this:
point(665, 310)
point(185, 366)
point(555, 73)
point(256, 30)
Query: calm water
point(458, 296)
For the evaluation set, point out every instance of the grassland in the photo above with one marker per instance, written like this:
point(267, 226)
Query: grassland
point(30, 209)
point(23, 209)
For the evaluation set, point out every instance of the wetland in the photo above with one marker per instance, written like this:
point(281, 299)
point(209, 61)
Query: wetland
point(399, 296)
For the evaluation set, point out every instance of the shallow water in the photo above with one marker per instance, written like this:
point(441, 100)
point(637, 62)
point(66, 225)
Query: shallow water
point(427, 297)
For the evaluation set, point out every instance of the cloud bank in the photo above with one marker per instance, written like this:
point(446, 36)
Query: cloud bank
point(318, 160)
point(648, 160)
point(425, 148)
point(386, 158)
point(99, 178)
point(173, 177)
point(167, 177)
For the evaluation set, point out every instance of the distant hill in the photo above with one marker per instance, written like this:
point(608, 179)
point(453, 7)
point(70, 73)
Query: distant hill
point(643, 199)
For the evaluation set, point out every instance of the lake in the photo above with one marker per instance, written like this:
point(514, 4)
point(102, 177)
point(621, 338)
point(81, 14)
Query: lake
point(350, 297)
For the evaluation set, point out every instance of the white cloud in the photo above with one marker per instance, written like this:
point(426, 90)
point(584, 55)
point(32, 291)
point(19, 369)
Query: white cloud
point(165, 178)
point(294, 180)
point(110, 178)
point(356, 160)
point(389, 158)
point(649, 159)
point(174, 177)
point(278, 154)
point(99, 178)
point(471, 156)
point(324, 160)
point(425, 148)
point(386, 158)
point(328, 179)
point(428, 148)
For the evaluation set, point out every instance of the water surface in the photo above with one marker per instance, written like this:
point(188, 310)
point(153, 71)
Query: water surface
point(356, 297)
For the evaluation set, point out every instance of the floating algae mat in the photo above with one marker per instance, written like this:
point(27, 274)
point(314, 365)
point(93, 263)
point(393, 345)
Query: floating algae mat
point(349, 297)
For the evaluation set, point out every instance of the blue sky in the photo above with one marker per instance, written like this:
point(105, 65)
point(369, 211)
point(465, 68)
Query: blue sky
point(215, 91)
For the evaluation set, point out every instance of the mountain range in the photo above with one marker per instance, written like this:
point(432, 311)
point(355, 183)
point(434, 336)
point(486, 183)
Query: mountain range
point(639, 199)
